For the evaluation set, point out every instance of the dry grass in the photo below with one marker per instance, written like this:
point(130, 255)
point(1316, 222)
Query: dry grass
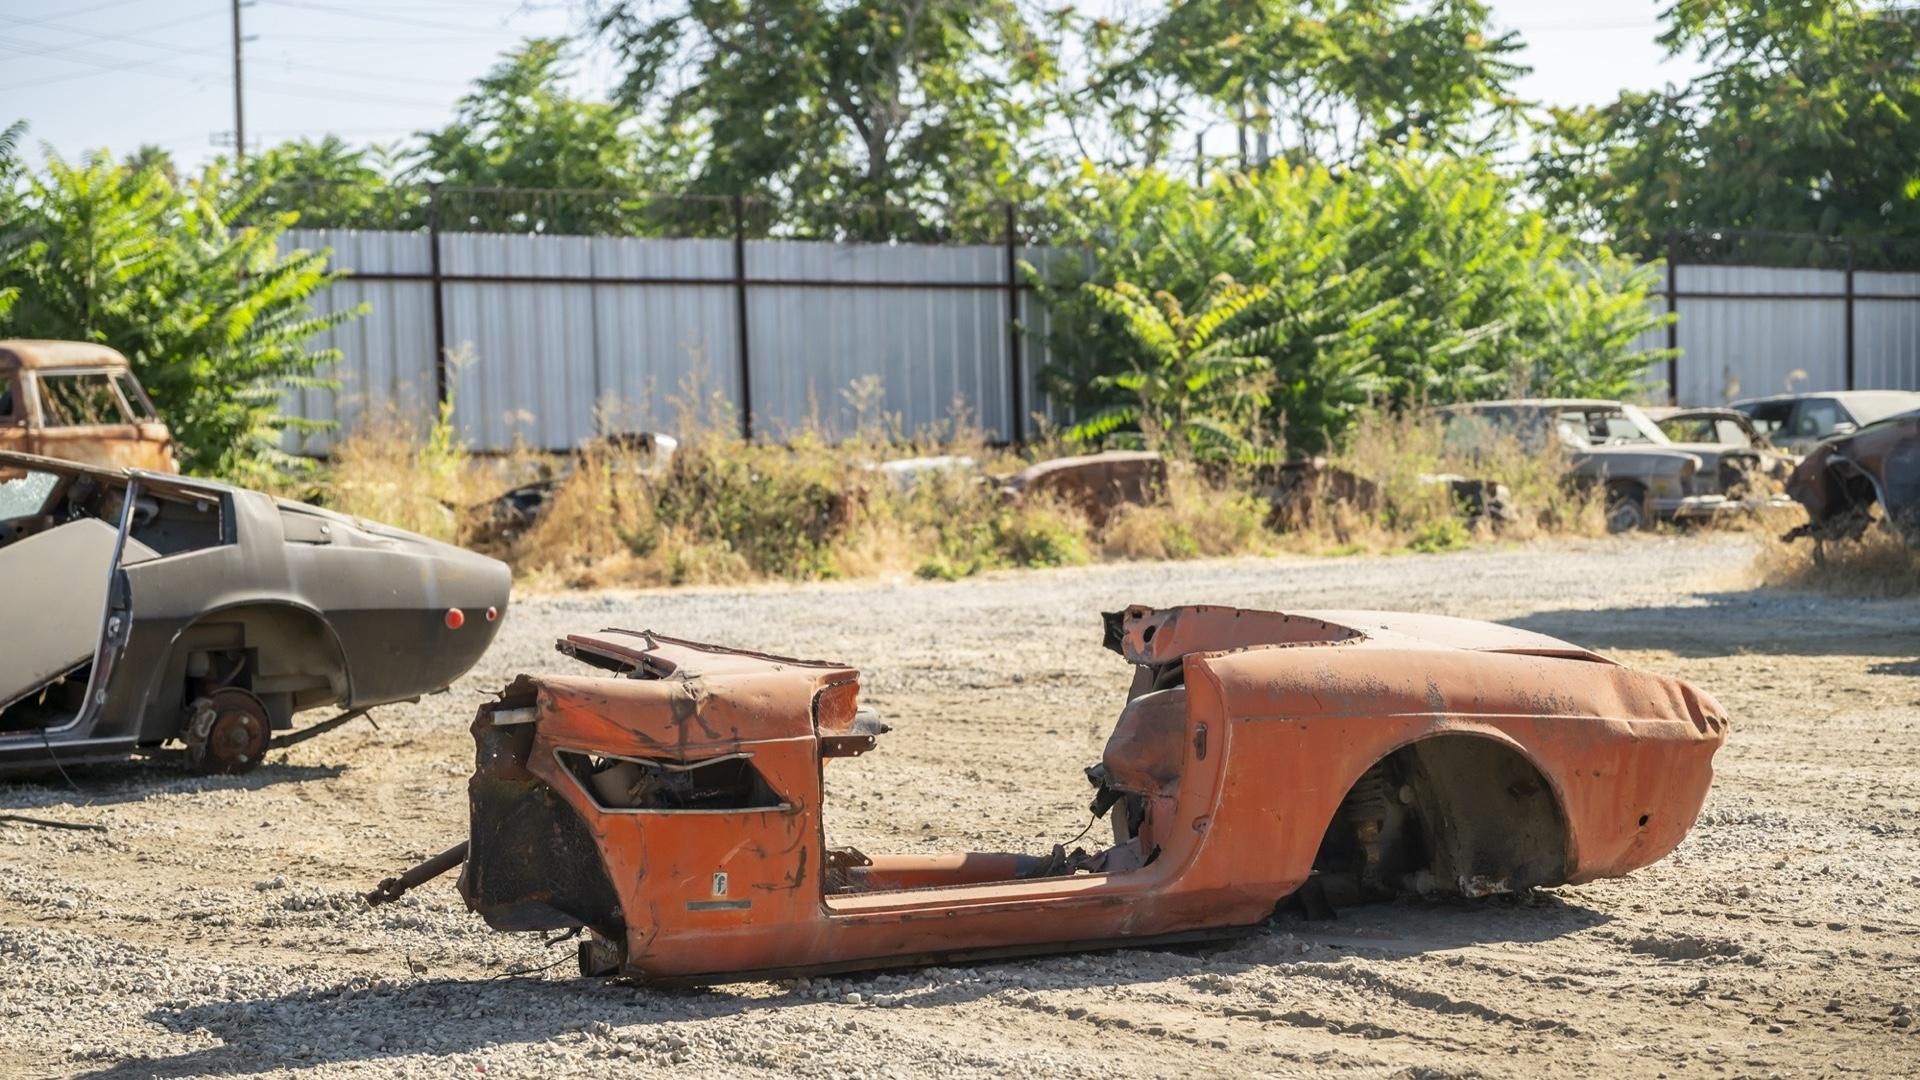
point(1198, 518)
point(392, 470)
point(1879, 564)
point(1402, 454)
point(725, 510)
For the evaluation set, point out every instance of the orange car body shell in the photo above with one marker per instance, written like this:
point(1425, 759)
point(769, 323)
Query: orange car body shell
point(1283, 714)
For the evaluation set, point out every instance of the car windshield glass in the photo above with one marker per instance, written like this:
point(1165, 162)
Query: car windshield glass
point(79, 401)
point(1475, 430)
point(1769, 416)
point(1697, 429)
point(25, 494)
point(1605, 427)
point(1816, 417)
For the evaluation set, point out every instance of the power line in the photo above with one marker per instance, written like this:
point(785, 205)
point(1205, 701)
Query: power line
point(357, 13)
point(72, 14)
point(118, 65)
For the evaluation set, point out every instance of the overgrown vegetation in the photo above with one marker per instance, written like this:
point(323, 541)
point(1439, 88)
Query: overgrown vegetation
point(722, 510)
point(1879, 564)
point(216, 320)
point(1414, 279)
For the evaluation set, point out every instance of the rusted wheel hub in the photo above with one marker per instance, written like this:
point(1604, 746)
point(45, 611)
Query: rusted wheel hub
point(226, 731)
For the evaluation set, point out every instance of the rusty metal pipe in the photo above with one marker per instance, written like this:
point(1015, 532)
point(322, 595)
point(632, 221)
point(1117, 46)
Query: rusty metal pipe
point(394, 888)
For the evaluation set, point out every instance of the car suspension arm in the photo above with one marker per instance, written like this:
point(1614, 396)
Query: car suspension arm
point(291, 738)
point(394, 888)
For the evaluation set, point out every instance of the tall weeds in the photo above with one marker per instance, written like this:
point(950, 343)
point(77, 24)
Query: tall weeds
point(723, 509)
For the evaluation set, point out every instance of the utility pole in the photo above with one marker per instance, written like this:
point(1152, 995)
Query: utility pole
point(239, 110)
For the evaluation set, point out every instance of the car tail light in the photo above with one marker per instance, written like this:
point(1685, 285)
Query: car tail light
point(456, 618)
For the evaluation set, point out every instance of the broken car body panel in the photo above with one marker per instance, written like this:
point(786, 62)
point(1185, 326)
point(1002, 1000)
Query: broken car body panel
point(1844, 477)
point(148, 593)
point(673, 806)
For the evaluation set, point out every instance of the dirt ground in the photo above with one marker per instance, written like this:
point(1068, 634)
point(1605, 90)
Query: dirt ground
point(215, 928)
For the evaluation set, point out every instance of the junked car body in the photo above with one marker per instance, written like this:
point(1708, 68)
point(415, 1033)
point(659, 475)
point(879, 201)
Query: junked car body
point(1646, 476)
point(1845, 477)
point(1797, 423)
point(671, 802)
point(78, 401)
point(147, 608)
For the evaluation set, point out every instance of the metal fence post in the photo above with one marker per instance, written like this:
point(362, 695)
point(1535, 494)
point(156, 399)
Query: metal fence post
point(740, 315)
point(1849, 314)
point(1016, 369)
point(440, 388)
point(1673, 320)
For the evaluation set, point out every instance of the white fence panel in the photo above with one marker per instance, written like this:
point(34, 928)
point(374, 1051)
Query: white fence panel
point(387, 354)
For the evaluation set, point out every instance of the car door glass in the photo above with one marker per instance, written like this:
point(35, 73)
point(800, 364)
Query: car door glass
point(79, 400)
point(1731, 434)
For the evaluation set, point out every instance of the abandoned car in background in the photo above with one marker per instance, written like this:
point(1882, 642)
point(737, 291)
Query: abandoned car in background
point(78, 401)
point(146, 608)
point(1646, 476)
point(1796, 423)
point(670, 803)
point(1844, 478)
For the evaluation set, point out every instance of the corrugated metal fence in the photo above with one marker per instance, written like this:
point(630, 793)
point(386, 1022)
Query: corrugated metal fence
point(1745, 331)
point(563, 336)
point(569, 335)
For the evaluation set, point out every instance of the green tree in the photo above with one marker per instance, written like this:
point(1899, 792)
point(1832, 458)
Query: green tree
point(922, 107)
point(335, 185)
point(1413, 278)
point(1326, 80)
point(215, 318)
point(518, 131)
point(1808, 121)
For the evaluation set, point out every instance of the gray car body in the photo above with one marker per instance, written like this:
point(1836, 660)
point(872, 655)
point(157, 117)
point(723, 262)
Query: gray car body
point(203, 582)
point(1796, 423)
point(1675, 481)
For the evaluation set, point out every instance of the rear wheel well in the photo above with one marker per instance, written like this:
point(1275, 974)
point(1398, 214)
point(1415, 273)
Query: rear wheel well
point(1455, 814)
point(286, 655)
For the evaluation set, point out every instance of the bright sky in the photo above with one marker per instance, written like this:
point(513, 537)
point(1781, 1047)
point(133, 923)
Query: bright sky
point(120, 73)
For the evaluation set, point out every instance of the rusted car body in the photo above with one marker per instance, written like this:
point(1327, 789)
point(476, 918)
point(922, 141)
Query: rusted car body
point(78, 401)
point(1095, 484)
point(147, 609)
point(671, 803)
point(1841, 481)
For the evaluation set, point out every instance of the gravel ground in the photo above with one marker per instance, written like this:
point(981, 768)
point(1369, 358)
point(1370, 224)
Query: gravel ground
point(216, 929)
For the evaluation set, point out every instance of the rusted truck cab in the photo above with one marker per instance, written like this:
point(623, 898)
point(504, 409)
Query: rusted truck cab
point(671, 804)
point(78, 401)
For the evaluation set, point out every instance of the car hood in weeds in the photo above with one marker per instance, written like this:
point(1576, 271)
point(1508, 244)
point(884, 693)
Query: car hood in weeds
point(673, 805)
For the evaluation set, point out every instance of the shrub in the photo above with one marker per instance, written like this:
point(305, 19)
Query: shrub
point(1412, 278)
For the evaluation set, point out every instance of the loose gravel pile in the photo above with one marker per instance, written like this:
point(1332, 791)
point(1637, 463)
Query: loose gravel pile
point(215, 928)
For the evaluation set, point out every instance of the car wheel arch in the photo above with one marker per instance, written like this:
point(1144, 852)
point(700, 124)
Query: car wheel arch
point(269, 607)
point(1529, 832)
